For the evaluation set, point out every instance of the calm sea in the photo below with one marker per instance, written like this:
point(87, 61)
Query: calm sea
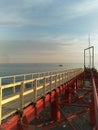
point(13, 69)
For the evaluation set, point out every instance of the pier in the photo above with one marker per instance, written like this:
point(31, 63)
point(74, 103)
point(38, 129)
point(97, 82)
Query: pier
point(28, 88)
point(30, 94)
point(68, 95)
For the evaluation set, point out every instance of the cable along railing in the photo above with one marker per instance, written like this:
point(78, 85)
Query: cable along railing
point(18, 91)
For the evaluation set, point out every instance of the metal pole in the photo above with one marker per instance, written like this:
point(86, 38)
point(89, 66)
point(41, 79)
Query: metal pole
point(50, 83)
point(35, 90)
point(89, 53)
point(24, 78)
point(62, 78)
point(90, 58)
point(44, 86)
point(14, 83)
point(84, 59)
point(59, 79)
point(21, 96)
point(55, 81)
point(93, 57)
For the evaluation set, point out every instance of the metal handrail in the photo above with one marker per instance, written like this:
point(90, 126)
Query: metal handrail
point(44, 84)
point(95, 101)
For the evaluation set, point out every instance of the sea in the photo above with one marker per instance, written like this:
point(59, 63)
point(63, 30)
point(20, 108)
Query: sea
point(21, 69)
point(26, 68)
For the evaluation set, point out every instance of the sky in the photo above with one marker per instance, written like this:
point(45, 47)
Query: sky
point(47, 31)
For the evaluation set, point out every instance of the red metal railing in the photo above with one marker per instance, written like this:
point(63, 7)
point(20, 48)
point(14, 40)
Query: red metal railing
point(95, 102)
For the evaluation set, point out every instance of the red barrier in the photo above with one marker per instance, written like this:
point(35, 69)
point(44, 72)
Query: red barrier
point(94, 103)
point(18, 122)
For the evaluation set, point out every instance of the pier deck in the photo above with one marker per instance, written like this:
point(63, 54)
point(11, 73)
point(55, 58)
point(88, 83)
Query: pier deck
point(30, 94)
point(25, 89)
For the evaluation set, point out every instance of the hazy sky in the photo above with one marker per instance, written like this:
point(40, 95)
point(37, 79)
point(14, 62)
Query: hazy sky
point(47, 30)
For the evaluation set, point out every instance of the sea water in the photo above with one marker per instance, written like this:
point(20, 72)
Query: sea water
point(14, 69)
point(17, 69)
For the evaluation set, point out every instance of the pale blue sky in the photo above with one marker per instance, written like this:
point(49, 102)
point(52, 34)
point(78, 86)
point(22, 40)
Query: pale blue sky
point(47, 30)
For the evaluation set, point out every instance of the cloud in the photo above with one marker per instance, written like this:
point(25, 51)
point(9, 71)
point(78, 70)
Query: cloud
point(47, 28)
point(36, 3)
point(83, 8)
point(28, 51)
point(43, 12)
point(23, 47)
point(52, 49)
point(10, 23)
point(49, 45)
point(10, 19)
point(20, 12)
point(58, 12)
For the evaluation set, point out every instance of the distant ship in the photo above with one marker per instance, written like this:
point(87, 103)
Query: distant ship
point(61, 65)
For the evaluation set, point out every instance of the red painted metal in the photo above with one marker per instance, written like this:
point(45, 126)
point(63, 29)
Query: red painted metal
point(69, 91)
point(11, 124)
point(66, 119)
point(94, 101)
point(55, 112)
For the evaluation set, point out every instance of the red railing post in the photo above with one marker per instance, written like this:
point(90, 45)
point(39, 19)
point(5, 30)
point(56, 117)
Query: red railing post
point(67, 94)
point(55, 111)
point(94, 99)
point(91, 112)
